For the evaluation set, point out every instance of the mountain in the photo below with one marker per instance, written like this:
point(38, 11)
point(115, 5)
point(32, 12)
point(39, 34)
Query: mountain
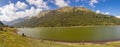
point(68, 16)
point(11, 23)
point(1, 24)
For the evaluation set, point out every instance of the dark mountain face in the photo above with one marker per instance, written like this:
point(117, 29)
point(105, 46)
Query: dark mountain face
point(1, 24)
point(11, 23)
point(68, 16)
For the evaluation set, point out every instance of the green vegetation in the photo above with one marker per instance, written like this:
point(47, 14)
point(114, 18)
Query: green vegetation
point(10, 39)
point(68, 16)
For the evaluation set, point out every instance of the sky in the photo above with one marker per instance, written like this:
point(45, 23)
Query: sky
point(14, 9)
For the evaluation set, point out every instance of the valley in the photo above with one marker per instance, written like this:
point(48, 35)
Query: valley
point(64, 27)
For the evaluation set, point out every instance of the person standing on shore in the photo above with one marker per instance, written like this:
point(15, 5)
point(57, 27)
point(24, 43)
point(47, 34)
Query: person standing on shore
point(23, 35)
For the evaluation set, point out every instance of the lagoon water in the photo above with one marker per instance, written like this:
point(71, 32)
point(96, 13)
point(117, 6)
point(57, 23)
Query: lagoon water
point(74, 34)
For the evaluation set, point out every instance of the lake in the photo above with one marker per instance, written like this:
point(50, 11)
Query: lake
point(74, 34)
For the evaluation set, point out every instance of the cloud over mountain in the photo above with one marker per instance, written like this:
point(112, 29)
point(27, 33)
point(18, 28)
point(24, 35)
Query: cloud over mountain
point(61, 3)
point(92, 2)
point(13, 11)
point(20, 9)
point(20, 5)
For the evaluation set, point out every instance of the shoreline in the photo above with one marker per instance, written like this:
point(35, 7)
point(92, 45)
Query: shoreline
point(74, 26)
point(79, 42)
point(75, 43)
point(99, 42)
point(93, 42)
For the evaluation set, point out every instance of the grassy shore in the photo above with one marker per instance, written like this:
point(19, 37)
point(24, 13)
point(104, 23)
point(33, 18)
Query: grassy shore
point(10, 39)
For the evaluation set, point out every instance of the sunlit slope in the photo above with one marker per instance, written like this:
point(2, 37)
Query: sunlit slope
point(68, 16)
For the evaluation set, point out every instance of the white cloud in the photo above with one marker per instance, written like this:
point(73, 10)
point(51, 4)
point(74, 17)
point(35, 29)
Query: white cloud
point(107, 13)
point(4, 18)
point(98, 11)
point(61, 3)
point(29, 12)
point(9, 13)
point(92, 2)
point(117, 16)
point(38, 3)
point(8, 9)
point(35, 2)
point(82, 6)
point(20, 5)
point(32, 12)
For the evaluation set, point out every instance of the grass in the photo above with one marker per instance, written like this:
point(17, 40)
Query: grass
point(10, 39)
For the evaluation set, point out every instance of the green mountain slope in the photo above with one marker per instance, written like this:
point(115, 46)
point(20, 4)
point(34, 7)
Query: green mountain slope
point(68, 16)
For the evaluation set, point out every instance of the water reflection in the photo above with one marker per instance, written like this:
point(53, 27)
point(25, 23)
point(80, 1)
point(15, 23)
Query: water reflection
point(98, 33)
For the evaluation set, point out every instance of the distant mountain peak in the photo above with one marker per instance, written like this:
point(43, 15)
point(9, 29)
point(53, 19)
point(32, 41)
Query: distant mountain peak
point(65, 9)
point(1, 24)
point(81, 9)
point(68, 9)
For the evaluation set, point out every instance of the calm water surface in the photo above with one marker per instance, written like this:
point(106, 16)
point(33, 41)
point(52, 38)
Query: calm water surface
point(96, 33)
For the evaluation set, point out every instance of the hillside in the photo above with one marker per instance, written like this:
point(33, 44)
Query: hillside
point(10, 23)
point(9, 39)
point(68, 16)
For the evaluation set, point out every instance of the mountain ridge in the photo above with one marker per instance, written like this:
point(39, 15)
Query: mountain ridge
point(69, 16)
point(1, 24)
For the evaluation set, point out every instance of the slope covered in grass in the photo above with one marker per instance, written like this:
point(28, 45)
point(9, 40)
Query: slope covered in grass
point(10, 39)
point(68, 16)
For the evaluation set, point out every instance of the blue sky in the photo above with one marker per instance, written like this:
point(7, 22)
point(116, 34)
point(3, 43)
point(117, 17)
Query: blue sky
point(14, 9)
